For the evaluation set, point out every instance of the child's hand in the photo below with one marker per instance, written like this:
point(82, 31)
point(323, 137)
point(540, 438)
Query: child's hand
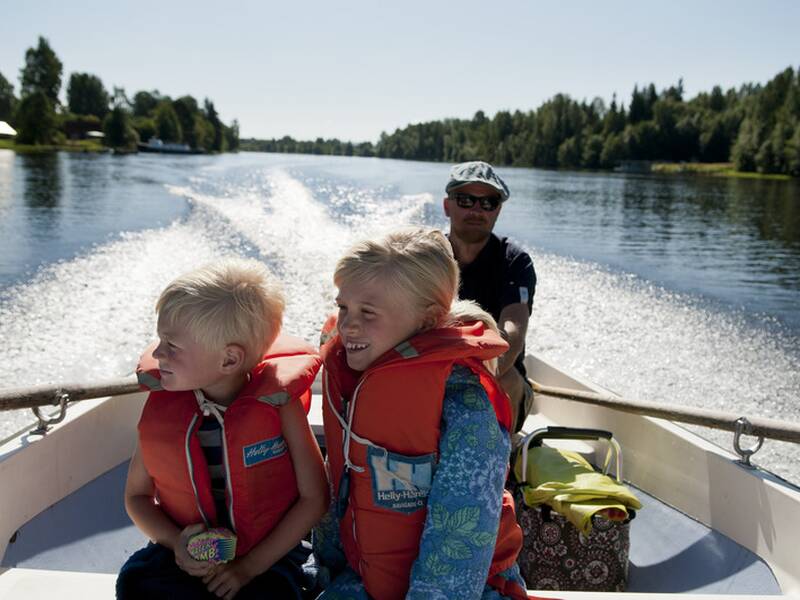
point(197, 568)
point(227, 579)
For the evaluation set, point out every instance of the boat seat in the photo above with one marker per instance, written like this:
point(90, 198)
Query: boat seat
point(89, 531)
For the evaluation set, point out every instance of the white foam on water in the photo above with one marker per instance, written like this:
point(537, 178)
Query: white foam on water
point(644, 342)
point(89, 318)
point(297, 237)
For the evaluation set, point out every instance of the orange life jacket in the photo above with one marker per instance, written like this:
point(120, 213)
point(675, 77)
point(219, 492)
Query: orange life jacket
point(390, 448)
point(261, 484)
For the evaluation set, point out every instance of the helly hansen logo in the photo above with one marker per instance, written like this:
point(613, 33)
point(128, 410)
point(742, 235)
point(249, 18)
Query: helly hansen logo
point(400, 483)
point(264, 450)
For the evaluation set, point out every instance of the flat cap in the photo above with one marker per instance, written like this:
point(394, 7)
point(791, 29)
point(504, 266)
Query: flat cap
point(476, 171)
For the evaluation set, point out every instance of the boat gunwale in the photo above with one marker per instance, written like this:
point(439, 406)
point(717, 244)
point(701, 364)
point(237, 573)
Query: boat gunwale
point(697, 501)
point(774, 429)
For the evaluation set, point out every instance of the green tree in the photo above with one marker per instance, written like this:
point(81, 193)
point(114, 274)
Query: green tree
point(42, 72)
point(185, 109)
point(641, 140)
point(772, 155)
point(772, 98)
point(614, 120)
point(119, 129)
point(145, 127)
point(204, 132)
point(367, 149)
point(556, 121)
point(771, 114)
point(144, 103)
point(8, 101)
point(569, 153)
point(232, 138)
point(716, 101)
point(755, 126)
point(167, 124)
point(218, 143)
point(638, 109)
point(767, 157)
point(665, 116)
point(793, 153)
point(614, 150)
point(86, 95)
point(592, 152)
point(714, 143)
point(678, 129)
point(36, 120)
point(674, 92)
point(746, 146)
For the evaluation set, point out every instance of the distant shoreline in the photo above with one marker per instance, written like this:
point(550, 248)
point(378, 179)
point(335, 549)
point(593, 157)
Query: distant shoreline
point(657, 168)
point(69, 146)
point(712, 169)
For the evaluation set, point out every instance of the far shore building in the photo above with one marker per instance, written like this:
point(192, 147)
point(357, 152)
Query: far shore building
point(6, 130)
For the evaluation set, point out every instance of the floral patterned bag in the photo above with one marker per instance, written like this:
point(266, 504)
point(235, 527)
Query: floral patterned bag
point(555, 554)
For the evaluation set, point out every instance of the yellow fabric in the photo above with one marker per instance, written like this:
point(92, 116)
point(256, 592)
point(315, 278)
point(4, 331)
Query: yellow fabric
point(569, 485)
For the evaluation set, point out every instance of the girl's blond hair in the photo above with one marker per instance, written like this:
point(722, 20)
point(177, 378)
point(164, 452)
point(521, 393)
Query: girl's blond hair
point(234, 301)
point(419, 263)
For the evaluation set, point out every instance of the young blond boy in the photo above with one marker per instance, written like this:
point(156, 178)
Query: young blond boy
point(223, 441)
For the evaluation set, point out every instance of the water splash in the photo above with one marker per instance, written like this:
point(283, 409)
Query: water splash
point(89, 317)
point(645, 342)
point(279, 220)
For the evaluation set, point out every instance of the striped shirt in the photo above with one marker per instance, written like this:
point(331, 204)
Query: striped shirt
point(210, 436)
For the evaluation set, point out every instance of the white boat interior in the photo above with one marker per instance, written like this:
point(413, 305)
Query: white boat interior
point(709, 527)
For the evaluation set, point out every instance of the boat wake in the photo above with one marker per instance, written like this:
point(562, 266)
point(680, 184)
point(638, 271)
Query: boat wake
point(89, 318)
point(645, 342)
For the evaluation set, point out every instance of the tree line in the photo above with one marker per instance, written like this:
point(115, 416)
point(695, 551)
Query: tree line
point(41, 118)
point(755, 127)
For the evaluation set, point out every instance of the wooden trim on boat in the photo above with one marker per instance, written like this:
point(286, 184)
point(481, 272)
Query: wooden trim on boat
point(49, 395)
point(716, 419)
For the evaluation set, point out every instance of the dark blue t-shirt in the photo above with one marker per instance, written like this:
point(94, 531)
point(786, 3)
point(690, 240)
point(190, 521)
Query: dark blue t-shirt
point(500, 275)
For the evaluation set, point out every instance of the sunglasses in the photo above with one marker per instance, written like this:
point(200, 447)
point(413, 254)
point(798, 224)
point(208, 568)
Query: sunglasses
point(487, 203)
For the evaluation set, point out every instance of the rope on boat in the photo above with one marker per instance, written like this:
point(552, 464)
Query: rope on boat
point(716, 419)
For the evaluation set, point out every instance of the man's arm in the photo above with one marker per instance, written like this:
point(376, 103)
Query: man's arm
point(513, 324)
point(517, 304)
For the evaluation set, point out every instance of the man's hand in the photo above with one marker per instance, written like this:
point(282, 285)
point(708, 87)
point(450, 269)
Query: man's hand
point(196, 568)
point(227, 579)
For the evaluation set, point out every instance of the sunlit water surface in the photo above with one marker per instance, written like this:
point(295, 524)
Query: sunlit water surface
point(679, 290)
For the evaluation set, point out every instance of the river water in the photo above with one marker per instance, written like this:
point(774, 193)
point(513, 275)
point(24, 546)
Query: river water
point(683, 290)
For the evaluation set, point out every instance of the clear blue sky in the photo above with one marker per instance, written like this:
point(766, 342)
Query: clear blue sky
point(351, 69)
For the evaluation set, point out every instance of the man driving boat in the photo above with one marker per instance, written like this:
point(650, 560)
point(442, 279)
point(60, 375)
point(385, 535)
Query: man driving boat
point(495, 273)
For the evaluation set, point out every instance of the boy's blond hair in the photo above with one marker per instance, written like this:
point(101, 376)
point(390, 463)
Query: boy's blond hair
point(419, 263)
point(234, 301)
